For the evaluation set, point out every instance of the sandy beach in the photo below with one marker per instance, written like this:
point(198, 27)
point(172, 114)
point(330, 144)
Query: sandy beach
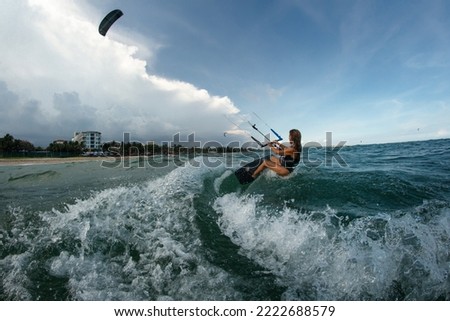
point(42, 161)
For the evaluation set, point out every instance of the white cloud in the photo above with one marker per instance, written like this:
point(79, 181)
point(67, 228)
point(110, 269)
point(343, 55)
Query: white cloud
point(443, 132)
point(62, 76)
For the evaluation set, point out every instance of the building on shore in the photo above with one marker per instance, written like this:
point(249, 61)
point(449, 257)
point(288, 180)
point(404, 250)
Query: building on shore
point(60, 142)
point(91, 140)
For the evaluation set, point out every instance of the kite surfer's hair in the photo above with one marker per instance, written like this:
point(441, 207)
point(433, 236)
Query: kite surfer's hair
point(296, 140)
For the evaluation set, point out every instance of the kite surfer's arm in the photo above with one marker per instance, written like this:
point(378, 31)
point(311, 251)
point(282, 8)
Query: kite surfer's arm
point(282, 150)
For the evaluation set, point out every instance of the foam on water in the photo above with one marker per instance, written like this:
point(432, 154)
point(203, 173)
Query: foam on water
point(377, 230)
point(124, 243)
point(319, 256)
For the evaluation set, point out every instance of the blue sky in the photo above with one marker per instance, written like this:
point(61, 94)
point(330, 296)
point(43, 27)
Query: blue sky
point(367, 71)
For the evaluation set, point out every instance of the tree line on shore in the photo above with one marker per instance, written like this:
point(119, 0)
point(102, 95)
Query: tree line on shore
point(11, 145)
point(16, 147)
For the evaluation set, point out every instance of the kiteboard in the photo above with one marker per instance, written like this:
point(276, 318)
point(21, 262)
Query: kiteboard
point(244, 174)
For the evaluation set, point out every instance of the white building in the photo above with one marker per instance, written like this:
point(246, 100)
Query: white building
point(91, 140)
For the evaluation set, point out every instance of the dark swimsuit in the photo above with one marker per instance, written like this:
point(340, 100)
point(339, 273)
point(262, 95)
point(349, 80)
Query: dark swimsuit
point(289, 163)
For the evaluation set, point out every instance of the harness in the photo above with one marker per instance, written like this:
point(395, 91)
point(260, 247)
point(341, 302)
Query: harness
point(289, 163)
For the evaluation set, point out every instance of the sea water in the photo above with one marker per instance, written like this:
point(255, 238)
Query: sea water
point(376, 227)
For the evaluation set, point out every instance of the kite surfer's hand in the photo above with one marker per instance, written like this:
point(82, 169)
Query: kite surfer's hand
point(275, 144)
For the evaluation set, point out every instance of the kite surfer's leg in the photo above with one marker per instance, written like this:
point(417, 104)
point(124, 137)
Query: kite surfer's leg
point(260, 169)
point(273, 164)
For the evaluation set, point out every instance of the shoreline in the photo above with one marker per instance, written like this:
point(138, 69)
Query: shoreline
point(26, 161)
point(42, 161)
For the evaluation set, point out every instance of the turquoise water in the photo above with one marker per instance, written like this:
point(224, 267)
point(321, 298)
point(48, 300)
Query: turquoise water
point(376, 229)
